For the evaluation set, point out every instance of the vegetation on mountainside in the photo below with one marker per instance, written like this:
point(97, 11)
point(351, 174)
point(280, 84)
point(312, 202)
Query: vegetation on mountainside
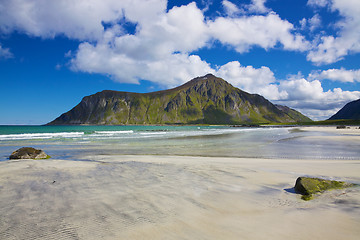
point(203, 100)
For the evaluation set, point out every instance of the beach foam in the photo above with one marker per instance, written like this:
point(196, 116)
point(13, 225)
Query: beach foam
point(30, 136)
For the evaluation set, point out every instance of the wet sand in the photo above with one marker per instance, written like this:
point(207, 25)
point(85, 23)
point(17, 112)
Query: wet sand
point(174, 197)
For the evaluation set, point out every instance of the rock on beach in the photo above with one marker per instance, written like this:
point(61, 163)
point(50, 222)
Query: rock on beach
point(29, 153)
point(307, 186)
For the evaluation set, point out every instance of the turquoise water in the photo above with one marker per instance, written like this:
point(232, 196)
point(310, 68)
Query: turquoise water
point(69, 142)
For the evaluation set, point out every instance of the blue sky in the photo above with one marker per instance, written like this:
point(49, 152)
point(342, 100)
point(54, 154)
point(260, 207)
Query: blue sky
point(301, 53)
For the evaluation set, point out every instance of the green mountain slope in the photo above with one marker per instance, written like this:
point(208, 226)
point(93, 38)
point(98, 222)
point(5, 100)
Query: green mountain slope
point(294, 114)
point(203, 100)
point(350, 111)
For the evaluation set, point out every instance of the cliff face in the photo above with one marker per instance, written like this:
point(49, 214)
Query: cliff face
point(208, 100)
point(350, 111)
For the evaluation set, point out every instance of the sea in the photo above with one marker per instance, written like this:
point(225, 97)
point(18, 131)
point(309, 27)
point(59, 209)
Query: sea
point(75, 142)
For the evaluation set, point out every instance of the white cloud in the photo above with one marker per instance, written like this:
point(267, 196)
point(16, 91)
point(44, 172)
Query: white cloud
point(310, 98)
point(5, 53)
point(301, 89)
point(334, 48)
point(182, 29)
point(317, 115)
point(303, 23)
point(160, 50)
point(318, 3)
point(184, 25)
point(74, 19)
point(314, 22)
point(257, 6)
point(311, 23)
point(264, 31)
point(170, 70)
point(250, 79)
point(230, 8)
point(341, 75)
point(305, 95)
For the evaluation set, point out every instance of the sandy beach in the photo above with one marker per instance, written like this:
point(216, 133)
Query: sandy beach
point(176, 197)
point(173, 197)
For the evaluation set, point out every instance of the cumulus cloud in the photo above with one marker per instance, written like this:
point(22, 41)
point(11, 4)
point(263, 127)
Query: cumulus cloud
point(162, 38)
point(330, 48)
point(74, 19)
point(169, 39)
point(341, 75)
point(309, 97)
point(5, 53)
point(305, 95)
point(158, 52)
point(169, 71)
point(253, 80)
point(263, 31)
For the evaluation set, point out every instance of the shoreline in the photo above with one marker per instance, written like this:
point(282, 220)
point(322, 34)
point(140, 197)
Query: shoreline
point(107, 195)
point(175, 197)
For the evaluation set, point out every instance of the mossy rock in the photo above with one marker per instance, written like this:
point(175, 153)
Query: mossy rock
point(308, 186)
point(29, 153)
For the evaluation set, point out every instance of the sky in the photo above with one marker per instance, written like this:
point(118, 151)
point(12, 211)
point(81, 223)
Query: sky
point(304, 54)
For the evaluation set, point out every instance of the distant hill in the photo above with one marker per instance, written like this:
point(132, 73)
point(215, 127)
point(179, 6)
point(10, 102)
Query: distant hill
point(350, 111)
point(203, 100)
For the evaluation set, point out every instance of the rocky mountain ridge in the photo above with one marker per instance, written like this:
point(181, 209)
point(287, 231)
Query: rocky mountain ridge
point(203, 100)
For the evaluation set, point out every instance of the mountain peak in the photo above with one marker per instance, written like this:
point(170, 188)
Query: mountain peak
point(195, 81)
point(208, 76)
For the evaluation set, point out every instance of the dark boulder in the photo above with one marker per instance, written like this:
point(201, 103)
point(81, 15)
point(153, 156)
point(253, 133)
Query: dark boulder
point(307, 186)
point(29, 153)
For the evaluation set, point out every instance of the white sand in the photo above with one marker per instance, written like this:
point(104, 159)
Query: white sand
point(349, 130)
point(173, 197)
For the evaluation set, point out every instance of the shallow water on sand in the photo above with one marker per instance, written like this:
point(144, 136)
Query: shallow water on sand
point(71, 141)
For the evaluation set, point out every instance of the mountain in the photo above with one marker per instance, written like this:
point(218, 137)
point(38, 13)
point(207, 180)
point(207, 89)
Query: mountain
point(293, 113)
point(350, 111)
point(203, 100)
